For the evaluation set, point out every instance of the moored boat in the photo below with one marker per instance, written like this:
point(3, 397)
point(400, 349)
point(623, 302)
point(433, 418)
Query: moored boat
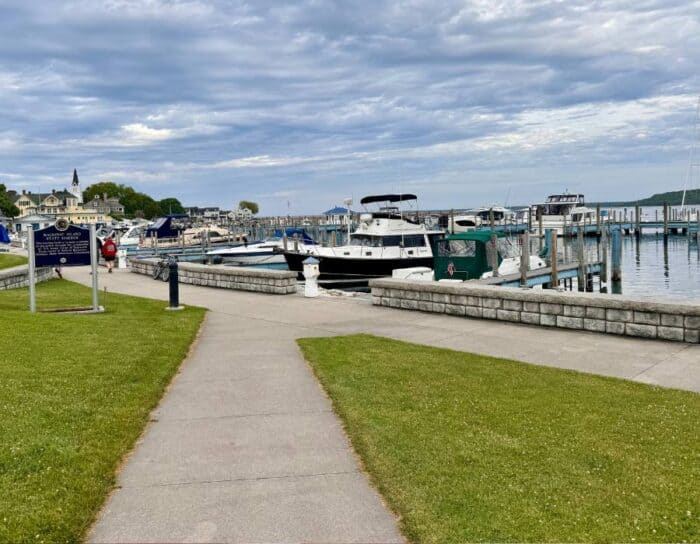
point(385, 240)
point(561, 211)
point(260, 252)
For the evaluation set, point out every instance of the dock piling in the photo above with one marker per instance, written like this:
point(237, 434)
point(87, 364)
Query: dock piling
point(553, 257)
point(492, 255)
point(604, 262)
point(616, 274)
point(665, 220)
point(524, 258)
point(581, 257)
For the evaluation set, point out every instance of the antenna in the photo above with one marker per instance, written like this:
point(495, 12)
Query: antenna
point(693, 162)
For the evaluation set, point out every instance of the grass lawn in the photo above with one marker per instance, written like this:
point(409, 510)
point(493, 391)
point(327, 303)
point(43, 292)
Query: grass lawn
point(75, 393)
point(8, 260)
point(471, 448)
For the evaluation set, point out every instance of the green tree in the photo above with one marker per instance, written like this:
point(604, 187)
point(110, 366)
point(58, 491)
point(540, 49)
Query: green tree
point(132, 200)
point(106, 187)
point(252, 206)
point(7, 208)
point(170, 205)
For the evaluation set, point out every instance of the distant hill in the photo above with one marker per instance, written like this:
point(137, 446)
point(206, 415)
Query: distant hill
point(673, 198)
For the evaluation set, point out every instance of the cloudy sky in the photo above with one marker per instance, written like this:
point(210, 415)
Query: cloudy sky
point(303, 104)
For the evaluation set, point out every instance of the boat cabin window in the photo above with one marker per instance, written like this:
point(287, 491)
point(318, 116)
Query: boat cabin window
point(408, 240)
point(498, 215)
point(465, 223)
point(365, 240)
point(456, 248)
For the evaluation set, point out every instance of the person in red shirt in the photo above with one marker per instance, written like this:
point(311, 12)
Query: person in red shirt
point(109, 252)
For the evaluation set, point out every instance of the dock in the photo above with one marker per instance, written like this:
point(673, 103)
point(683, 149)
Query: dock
point(543, 276)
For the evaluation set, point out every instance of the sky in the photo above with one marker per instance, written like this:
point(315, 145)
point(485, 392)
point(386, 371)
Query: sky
point(300, 105)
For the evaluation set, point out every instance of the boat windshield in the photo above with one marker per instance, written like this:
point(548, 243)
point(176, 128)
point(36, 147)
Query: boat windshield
point(498, 215)
point(457, 248)
point(506, 248)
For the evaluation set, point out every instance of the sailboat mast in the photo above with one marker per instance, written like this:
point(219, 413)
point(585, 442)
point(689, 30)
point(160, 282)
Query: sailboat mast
point(693, 151)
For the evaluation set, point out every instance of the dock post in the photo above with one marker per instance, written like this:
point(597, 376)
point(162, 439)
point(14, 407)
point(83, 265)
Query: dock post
point(452, 221)
point(616, 274)
point(553, 257)
point(697, 232)
point(548, 245)
point(540, 232)
point(597, 220)
point(604, 263)
point(638, 220)
point(665, 220)
point(524, 258)
point(581, 277)
point(492, 219)
point(492, 254)
point(529, 219)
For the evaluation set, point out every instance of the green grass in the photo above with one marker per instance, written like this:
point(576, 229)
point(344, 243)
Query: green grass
point(470, 448)
point(75, 393)
point(8, 260)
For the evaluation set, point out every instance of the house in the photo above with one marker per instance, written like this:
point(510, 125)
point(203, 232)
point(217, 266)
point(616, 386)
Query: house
point(105, 205)
point(32, 221)
point(57, 204)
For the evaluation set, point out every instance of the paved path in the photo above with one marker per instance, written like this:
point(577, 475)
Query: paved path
point(245, 447)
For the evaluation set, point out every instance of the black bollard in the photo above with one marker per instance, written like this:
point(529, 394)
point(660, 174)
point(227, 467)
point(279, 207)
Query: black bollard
point(174, 285)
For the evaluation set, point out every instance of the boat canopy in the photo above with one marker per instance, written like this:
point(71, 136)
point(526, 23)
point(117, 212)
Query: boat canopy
point(478, 235)
point(292, 232)
point(388, 198)
point(4, 237)
point(168, 226)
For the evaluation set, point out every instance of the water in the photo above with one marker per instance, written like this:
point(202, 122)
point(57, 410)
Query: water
point(650, 267)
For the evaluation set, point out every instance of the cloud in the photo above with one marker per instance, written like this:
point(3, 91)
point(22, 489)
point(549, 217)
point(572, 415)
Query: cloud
point(212, 101)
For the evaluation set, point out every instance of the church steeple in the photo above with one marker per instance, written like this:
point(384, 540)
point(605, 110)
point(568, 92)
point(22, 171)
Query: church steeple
point(75, 187)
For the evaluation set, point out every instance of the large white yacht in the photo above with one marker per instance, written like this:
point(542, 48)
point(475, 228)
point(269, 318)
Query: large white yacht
point(385, 240)
point(561, 211)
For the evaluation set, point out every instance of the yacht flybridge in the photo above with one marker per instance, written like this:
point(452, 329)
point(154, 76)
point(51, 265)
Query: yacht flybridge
point(386, 239)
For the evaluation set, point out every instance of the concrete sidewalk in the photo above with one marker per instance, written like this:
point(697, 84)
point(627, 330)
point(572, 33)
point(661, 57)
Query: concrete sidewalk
point(245, 447)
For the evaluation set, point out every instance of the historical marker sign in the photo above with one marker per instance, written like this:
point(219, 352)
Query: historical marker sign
point(62, 245)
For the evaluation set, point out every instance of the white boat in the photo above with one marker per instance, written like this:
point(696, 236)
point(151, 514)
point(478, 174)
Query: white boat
point(471, 219)
point(384, 241)
point(561, 211)
point(269, 251)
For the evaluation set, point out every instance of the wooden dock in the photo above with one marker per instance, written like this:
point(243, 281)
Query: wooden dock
point(543, 276)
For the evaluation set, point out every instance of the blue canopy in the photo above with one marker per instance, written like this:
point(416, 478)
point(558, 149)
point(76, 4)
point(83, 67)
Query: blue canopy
point(338, 211)
point(299, 233)
point(4, 237)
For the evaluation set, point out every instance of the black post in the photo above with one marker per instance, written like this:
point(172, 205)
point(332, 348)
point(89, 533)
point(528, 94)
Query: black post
point(174, 284)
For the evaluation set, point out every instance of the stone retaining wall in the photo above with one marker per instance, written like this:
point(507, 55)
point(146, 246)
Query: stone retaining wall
point(18, 276)
point(278, 282)
point(612, 314)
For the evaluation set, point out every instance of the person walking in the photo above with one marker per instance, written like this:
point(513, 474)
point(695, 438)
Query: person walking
point(109, 252)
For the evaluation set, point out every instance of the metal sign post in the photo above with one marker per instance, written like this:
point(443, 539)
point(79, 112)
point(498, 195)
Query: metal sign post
point(32, 271)
point(93, 266)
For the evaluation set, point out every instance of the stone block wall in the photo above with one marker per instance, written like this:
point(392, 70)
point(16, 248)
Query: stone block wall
point(603, 313)
point(18, 276)
point(277, 282)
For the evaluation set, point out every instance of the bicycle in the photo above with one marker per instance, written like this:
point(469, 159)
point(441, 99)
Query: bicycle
point(162, 268)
